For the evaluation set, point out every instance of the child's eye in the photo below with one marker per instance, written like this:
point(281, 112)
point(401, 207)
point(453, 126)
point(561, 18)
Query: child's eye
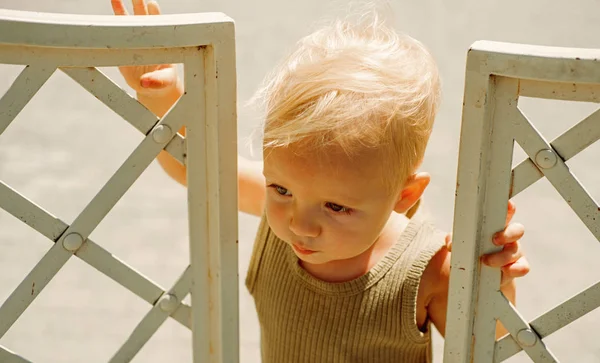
point(338, 208)
point(281, 190)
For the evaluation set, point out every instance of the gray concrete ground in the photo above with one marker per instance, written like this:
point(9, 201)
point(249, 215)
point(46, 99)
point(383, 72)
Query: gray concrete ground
point(65, 145)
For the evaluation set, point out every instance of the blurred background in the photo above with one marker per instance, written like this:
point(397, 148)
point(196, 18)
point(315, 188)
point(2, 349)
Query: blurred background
point(65, 145)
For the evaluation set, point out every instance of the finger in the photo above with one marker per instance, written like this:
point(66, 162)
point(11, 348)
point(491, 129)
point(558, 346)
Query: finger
point(159, 79)
point(518, 269)
point(118, 7)
point(510, 234)
point(153, 8)
point(449, 242)
point(139, 7)
point(511, 210)
point(509, 254)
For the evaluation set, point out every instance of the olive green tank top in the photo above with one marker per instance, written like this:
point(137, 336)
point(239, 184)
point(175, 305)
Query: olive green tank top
point(368, 319)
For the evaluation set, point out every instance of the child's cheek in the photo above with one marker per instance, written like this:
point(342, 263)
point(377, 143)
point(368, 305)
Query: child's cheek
point(276, 216)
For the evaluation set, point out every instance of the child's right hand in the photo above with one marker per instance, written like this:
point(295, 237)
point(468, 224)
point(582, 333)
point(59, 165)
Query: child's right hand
point(151, 80)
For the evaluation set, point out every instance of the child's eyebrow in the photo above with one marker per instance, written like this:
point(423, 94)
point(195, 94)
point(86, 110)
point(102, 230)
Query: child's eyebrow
point(271, 174)
point(272, 171)
point(345, 200)
point(267, 173)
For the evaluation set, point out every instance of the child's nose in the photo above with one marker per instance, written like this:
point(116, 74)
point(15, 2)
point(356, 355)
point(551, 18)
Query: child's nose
point(303, 225)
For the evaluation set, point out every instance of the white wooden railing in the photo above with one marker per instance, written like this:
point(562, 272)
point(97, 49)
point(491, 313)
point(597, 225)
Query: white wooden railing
point(496, 75)
point(205, 45)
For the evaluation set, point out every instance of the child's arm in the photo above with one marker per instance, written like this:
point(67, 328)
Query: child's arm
point(158, 88)
point(510, 259)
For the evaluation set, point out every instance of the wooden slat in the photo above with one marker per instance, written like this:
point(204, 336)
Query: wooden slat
point(76, 57)
point(200, 221)
point(132, 111)
point(212, 203)
point(176, 147)
point(496, 183)
point(580, 92)
point(578, 137)
point(465, 251)
point(25, 86)
point(31, 286)
point(222, 139)
point(30, 213)
point(113, 96)
point(117, 32)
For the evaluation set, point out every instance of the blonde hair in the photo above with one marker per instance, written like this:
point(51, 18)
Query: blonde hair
point(353, 85)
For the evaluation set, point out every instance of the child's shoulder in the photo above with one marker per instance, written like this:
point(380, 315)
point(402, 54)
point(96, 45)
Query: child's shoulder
point(437, 273)
point(422, 232)
point(426, 252)
point(434, 253)
point(429, 267)
point(436, 276)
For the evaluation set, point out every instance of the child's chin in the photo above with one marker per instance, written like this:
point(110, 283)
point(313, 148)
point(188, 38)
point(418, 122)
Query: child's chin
point(315, 258)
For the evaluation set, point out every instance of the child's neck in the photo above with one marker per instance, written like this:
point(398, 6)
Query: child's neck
point(355, 267)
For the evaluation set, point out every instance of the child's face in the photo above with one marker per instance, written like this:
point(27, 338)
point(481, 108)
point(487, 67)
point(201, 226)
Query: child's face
point(327, 208)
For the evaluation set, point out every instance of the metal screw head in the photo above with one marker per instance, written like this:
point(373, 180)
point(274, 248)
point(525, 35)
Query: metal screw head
point(546, 159)
point(168, 303)
point(526, 338)
point(162, 134)
point(72, 242)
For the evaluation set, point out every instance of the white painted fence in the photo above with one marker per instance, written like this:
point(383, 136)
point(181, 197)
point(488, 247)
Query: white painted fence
point(496, 75)
point(205, 45)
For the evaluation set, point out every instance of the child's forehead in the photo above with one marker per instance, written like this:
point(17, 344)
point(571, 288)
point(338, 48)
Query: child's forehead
point(330, 159)
point(336, 169)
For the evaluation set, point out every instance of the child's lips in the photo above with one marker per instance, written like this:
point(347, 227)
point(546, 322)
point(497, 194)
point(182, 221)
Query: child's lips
point(302, 251)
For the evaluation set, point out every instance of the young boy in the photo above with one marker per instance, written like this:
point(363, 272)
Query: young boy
point(338, 272)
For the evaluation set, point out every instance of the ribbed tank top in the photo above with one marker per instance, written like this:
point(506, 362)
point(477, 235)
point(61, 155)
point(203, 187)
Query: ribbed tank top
point(369, 319)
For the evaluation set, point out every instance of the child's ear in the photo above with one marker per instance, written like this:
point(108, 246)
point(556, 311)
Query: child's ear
point(412, 191)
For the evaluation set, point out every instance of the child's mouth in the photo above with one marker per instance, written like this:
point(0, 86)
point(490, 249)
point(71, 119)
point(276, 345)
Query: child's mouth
point(302, 251)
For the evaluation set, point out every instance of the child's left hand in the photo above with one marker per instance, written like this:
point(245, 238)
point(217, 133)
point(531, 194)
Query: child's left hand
point(511, 259)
